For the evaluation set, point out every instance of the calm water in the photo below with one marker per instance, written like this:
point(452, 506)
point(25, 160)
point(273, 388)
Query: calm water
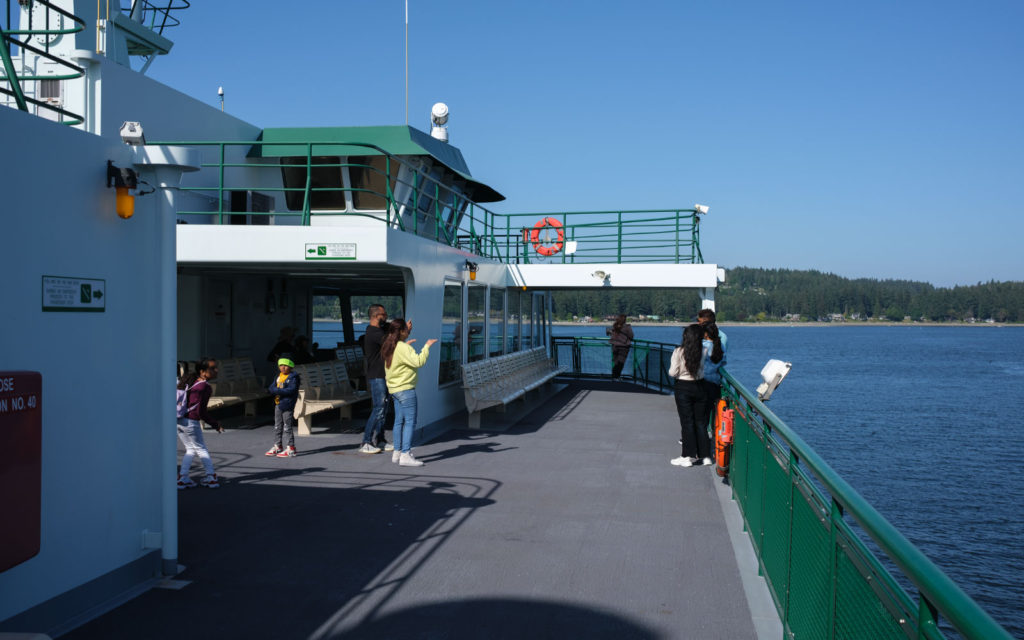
point(927, 423)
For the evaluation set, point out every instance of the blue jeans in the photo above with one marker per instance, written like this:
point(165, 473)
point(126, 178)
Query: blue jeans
point(405, 419)
point(190, 432)
point(374, 431)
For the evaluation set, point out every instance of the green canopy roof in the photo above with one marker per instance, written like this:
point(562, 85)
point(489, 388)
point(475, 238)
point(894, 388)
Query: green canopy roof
point(396, 140)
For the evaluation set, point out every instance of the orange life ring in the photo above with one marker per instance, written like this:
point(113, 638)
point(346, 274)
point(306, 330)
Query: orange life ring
point(723, 438)
point(543, 249)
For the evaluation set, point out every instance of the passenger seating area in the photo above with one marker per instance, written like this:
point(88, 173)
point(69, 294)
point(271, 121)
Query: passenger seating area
point(499, 381)
point(352, 356)
point(236, 383)
point(324, 386)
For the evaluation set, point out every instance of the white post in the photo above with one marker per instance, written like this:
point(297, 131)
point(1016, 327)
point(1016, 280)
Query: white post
point(707, 299)
point(165, 165)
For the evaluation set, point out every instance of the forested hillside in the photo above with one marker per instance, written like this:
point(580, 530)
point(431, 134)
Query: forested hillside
point(775, 294)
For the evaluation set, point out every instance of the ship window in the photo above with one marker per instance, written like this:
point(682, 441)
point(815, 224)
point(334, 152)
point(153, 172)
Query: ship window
point(325, 183)
point(476, 315)
point(497, 322)
point(49, 89)
point(451, 334)
point(512, 336)
point(369, 178)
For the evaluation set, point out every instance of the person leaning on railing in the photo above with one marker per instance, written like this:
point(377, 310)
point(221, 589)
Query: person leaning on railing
point(714, 357)
point(620, 335)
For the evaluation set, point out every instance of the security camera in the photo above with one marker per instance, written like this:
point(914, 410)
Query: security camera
point(131, 133)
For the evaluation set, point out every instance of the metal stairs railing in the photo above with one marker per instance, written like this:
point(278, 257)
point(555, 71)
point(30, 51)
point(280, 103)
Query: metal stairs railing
point(10, 37)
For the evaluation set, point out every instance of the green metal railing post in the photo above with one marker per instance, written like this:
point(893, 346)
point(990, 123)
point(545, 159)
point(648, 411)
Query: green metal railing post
point(220, 188)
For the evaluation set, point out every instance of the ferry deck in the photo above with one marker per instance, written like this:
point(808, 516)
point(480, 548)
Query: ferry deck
point(569, 523)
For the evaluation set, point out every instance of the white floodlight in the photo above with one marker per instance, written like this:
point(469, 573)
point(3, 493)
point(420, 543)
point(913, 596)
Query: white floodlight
point(131, 133)
point(438, 118)
point(701, 208)
point(772, 374)
point(439, 113)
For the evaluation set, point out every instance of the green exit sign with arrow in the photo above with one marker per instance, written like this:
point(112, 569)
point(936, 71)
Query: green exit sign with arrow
point(331, 251)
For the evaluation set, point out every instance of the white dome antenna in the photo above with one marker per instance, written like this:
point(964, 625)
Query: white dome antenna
point(438, 118)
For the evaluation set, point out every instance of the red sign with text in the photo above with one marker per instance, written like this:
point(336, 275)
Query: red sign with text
point(21, 431)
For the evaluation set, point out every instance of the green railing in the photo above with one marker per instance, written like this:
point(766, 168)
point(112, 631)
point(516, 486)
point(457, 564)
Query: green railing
point(8, 39)
point(647, 363)
point(403, 195)
point(825, 581)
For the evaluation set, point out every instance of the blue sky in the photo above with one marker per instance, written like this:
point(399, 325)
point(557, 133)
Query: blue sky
point(869, 139)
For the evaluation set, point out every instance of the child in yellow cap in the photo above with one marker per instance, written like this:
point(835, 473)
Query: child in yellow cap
point(285, 389)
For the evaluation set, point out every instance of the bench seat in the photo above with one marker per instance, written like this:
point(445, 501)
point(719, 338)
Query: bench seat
point(324, 386)
point(502, 380)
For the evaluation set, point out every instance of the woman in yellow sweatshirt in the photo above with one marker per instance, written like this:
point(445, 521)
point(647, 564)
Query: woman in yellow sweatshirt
point(401, 363)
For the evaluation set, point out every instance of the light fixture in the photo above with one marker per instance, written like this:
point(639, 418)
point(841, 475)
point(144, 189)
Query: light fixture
point(772, 374)
point(472, 267)
point(123, 180)
point(131, 133)
point(702, 209)
point(601, 275)
point(438, 118)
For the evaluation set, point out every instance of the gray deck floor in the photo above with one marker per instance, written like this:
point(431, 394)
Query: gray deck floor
point(570, 524)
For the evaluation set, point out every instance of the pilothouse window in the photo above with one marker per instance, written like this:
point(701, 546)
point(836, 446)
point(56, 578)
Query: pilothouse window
point(369, 178)
point(325, 183)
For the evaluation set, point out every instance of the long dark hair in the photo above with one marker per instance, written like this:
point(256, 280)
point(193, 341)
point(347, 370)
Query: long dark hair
point(394, 331)
point(620, 321)
point(711, 329)
point(693, 348)
point(190, 378)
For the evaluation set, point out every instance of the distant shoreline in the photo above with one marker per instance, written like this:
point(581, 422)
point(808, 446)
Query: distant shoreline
point(562, 323)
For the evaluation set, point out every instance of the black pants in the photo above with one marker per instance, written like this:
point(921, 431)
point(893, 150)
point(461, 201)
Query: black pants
point(619, 358)
point(691, 403)
point(713, 392)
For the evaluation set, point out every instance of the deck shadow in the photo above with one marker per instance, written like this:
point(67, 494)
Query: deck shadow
point(278, 561)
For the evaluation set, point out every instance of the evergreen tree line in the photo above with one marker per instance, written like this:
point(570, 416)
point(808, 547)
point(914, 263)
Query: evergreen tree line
point(752, 294)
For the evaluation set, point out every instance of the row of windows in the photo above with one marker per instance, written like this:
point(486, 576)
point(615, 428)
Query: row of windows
point(490, 330)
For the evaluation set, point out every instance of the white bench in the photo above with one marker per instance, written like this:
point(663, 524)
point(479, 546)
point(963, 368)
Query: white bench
point(501, 380)
point(236, 383)
point(324, 386)
point(352, 356)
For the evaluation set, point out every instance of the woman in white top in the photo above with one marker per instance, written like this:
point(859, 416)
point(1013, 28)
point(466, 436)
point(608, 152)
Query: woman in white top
point(691, 400)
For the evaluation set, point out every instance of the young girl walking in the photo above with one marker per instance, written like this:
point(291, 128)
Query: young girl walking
point(190, 431)
point(401, 363)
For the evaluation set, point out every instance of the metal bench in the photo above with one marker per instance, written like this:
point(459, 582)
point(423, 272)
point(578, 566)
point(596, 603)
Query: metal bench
point(324, 386)
point(499, 381)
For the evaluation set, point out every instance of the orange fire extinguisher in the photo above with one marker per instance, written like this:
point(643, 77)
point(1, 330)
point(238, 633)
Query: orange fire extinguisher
point(723, 438)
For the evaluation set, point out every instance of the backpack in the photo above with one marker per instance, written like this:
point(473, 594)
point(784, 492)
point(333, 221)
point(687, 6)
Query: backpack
point(181, 400)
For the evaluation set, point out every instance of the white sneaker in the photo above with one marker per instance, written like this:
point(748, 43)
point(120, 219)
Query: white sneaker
point(706, 461)
point(368, 448)
point(682, 461)
point(388, 446)
point(407, 460)
point(395, 455)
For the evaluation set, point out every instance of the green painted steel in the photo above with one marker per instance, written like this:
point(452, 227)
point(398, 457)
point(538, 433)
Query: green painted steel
point(799, 514)
point(432, 205)
point(11, 77)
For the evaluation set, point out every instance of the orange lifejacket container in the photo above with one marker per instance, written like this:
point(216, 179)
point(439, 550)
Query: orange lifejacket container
point(543, 249)
point(723, 438)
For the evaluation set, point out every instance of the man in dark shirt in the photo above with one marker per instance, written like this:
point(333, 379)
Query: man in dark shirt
point(373, 434)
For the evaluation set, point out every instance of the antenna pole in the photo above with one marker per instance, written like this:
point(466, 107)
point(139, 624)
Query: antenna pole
point(407, 62)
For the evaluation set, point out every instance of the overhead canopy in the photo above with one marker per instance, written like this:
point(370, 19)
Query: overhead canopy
point(396, 140)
